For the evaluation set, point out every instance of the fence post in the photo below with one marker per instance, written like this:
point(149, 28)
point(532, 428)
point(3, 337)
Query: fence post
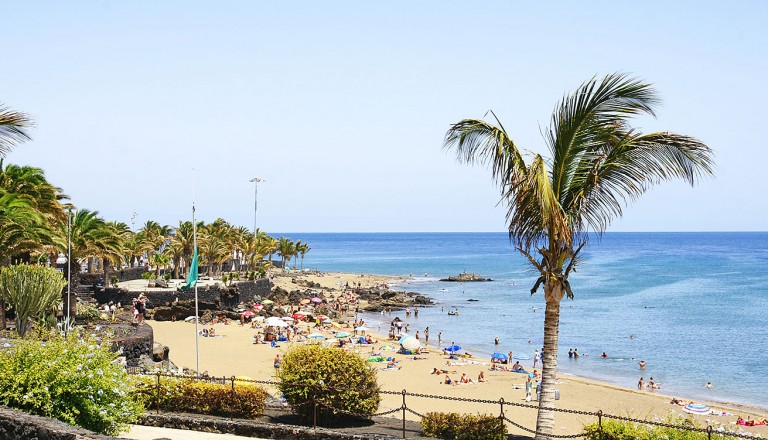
point(600, 423)
point(709, 432)
point(404, 406)
point(501, 413)
point(233, 383)
point(157, 394)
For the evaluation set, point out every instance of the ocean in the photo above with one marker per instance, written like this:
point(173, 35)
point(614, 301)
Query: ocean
point(692, 305)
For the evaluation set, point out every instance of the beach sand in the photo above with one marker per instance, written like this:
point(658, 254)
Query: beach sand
point(232, 353)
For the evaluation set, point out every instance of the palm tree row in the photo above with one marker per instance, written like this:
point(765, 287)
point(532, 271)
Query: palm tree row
point(36, 222)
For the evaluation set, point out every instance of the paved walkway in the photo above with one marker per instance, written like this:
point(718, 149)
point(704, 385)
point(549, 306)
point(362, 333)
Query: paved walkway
point(139, 432)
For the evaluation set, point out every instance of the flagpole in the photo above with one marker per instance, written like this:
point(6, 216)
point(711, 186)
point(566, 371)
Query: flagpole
point(197, 313)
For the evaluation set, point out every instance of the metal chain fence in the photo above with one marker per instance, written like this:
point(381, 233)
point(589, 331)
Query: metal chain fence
point(404, 408)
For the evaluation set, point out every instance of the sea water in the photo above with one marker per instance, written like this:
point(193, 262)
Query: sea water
point(692, 305)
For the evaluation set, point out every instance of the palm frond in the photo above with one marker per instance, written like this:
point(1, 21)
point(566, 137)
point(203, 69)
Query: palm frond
point(578, 123)
point(12, 129)
point(631, 166)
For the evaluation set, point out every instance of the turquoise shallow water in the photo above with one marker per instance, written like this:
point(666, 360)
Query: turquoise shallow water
point(696, 303)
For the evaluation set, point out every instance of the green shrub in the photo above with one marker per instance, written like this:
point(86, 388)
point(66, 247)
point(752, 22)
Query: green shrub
point(194, 396)
point(72, 379)
point(148, 275)
point(621, 430)
point(463, 426)
point(333, 377)
point(34, 291)
point(87, 312)
point(114, 279)
point(166, 276)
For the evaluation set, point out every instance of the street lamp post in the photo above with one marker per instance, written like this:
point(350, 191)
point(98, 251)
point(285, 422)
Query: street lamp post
point(69, 271)
point(255, 181)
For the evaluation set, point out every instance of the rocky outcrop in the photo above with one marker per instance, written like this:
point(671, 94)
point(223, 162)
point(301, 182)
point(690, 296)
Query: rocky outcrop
point(466, 277)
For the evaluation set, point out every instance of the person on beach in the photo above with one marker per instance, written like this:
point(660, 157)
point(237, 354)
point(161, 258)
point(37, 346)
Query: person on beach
point(481, 377)
point(465, 379)
point(642, 364)
point(141, 302)
point(640, 384)
point(708, 385)
point(439, 338)
point(448, 380)
point(509, 358)
point(535, 357)
point(426, 335)
point(496, 341)
point(570, 353)
point(277, 363)
point(418, 338)
point(528, 386)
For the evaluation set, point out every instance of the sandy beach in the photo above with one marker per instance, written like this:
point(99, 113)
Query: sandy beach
point(232, 353)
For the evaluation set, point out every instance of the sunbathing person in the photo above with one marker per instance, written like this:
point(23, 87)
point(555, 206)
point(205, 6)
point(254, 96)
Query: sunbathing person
point(517, 367)
point(465, 379)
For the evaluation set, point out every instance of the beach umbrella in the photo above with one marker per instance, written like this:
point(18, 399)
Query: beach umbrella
point(267, 302)
point(258, 306)
point(248, 313)
point(521, 357)
point(299, 316)
point(403, 337)
point(452, 348)
point(500, 356)
point(696, 408)
point(304, 302)
point(341, 335)
point(321, 317)
point(387, 348)
point(316, 300)
point(275, 322)
point(189, 318)
point(411, 343)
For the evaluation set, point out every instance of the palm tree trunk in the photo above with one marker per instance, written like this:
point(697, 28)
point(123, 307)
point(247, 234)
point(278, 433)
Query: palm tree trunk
point(90, 265)
point(545, 421)
point(176, 264)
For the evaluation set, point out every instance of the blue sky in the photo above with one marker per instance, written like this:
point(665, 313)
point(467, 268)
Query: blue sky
point(342, 106)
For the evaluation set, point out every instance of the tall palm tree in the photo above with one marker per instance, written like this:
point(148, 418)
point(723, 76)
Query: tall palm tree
point(598, 164)
point(285, 249)
point(182, 247)
point(303, 249)
point(91, 237)
point(152, 239)
point(212, 244)
point(12, 129)
point(121, 254)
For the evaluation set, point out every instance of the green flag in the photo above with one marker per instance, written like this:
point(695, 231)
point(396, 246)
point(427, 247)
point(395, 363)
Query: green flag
point(192, 278)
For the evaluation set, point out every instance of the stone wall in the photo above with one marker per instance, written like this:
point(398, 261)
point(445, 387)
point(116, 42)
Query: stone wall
point(15, 424)
point(228, 297)
point(248, 428)
point(250, 289)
